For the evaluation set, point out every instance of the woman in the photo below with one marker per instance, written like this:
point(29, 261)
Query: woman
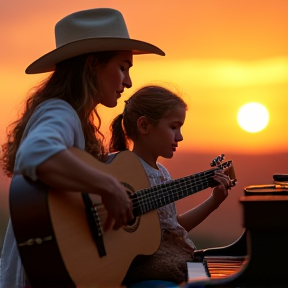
point(89, 66)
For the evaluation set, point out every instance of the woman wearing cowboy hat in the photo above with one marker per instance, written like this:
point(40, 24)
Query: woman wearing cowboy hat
point(90, 66)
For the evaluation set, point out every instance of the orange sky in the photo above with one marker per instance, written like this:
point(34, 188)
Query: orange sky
point(221, 54)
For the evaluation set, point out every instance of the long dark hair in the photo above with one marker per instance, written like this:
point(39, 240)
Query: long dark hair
point(153, 102)
point(74, 82)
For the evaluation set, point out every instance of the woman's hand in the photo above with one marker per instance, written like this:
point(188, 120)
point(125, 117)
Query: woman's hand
point(117, 204)
point(83, 177)
point(220, 192)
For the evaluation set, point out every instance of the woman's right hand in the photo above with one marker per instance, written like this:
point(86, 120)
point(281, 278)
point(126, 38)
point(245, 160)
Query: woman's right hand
point(83, 177)
point(117, 204)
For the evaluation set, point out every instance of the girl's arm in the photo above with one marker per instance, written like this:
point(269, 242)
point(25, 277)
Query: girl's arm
point(195, 216)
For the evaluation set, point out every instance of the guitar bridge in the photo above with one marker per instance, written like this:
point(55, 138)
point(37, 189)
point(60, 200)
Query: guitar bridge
point(94, 224)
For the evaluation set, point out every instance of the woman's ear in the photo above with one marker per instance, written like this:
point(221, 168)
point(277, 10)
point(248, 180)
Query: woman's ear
point(91, 61)
point(143, 125)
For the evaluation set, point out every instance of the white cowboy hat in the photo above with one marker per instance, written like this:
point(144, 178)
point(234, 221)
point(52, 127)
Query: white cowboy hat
point(92, 30)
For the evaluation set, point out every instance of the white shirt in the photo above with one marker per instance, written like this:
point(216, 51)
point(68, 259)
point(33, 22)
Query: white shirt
point(53, 127)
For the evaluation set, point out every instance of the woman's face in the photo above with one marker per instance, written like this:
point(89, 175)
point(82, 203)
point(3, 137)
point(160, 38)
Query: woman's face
point(112, 77)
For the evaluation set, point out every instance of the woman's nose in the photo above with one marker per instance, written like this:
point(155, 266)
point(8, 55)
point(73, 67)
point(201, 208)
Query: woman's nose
point(127, 83)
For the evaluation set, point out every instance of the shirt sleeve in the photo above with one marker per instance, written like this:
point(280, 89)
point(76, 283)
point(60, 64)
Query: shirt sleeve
point(53, 127)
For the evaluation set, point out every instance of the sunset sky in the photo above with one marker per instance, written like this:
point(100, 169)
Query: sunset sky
point(220, 55)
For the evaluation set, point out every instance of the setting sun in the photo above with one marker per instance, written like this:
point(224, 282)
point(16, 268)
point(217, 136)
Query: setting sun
point(253, 117)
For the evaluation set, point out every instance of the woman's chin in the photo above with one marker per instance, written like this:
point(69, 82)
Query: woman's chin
point(110, 105)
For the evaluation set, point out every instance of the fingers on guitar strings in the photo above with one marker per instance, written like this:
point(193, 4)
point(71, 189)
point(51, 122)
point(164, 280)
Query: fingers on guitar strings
point(223, 179)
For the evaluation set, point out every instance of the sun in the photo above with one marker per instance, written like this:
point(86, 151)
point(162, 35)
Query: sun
point(253, 117)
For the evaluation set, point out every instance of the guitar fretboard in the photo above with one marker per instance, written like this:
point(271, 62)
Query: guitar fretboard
point(152, 198)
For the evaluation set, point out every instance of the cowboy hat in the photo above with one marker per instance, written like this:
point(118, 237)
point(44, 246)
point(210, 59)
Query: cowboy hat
point(93, 30)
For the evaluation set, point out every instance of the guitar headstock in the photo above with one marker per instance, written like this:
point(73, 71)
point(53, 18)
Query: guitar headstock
point(226, 167)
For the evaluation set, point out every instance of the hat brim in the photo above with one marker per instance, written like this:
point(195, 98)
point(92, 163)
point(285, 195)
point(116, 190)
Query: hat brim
point(47, 62)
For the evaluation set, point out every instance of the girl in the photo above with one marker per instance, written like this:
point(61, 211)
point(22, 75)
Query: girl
point(152, 120)
point(89, 66)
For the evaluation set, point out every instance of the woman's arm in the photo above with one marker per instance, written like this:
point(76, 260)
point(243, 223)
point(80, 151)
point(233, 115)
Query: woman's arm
point(65, 171)
point(43, 154)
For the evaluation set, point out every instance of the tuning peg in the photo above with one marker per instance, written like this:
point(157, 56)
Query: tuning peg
point(233, 182)
point(213, 163)
point(221, 157)
point(217, 160)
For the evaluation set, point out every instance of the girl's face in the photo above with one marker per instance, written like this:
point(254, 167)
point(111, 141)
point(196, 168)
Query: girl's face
point(161, 139)
point(113, 77)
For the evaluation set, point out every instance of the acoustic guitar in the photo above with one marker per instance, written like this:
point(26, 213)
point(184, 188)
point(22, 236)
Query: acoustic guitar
point(59, 233)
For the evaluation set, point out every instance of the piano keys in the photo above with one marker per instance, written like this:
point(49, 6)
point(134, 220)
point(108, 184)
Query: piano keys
point(262, 249)
point(215, 267)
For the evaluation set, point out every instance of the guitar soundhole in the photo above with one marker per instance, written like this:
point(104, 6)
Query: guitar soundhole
point(134, 224)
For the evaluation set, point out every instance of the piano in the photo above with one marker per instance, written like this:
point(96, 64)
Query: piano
point(258, 257)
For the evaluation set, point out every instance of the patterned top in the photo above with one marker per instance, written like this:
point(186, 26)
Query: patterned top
point(169, 261)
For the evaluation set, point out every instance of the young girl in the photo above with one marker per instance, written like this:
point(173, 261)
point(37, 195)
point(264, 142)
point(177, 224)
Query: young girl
point(89, 66)
point(152, 120)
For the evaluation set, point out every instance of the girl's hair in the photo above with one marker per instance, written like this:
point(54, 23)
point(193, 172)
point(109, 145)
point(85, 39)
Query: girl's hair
point(74, 82)
point(153, 102)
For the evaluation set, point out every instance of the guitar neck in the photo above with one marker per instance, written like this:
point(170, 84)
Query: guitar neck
point(152, 198)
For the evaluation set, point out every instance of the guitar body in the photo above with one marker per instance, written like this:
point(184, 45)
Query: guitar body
point(39, 212)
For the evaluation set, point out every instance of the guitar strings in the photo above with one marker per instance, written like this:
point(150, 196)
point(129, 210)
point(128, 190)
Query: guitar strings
point(202, 179)
point(152, 195)
point(161, 194)
point(101, 211)
point(193, 179)
point(197, 182)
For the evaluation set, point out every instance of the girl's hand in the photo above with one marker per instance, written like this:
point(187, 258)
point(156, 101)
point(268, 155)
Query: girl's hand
point(220, 192)
point(118, 206)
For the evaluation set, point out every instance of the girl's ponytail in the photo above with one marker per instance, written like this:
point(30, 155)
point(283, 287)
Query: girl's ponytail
point(118, 141)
